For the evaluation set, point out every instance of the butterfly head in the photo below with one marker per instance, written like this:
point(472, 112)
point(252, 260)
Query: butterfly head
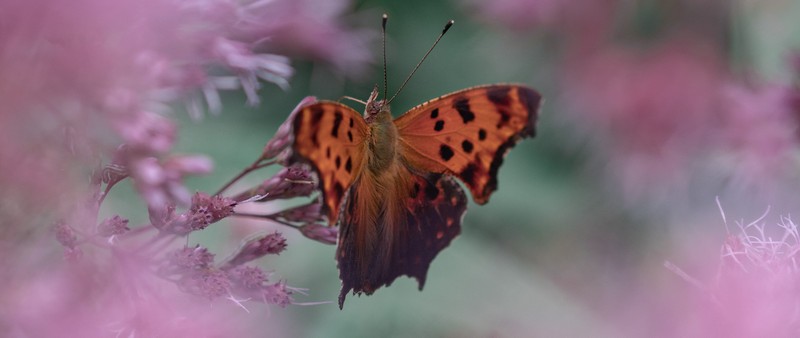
point(375, 107)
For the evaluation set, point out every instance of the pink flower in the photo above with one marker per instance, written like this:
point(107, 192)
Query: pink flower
point(574, 21)
point(113, 226)
point(759, 131)
point(655, 112)
point(101, 73)
point(755, 292)
point(92, 80)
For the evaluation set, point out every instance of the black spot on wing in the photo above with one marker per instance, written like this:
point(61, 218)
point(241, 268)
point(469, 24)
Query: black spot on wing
point(499, 95)
point(328, 152)
point(494, 167)
point(435, 113)
point(531, 100)
point(316, 114)
point(505, 117)
point(338, 190)
point(482, 134)
point(337, 122)
point(439, 125)
point(467, 146)
point(468, 174)
point(338, 162)
point(445, 152)
point(348, 165)
point(350, 135)
point(462, 106)
point(431, 191)
point(351, 122)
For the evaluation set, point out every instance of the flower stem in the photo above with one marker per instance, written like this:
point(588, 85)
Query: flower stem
point(258, 164)
point(270, 217)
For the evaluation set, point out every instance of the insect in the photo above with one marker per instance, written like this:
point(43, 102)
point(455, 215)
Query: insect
point(389, 184)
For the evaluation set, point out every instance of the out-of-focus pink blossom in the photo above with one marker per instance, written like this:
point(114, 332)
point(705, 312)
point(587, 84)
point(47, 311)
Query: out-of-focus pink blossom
point(655, 111)
point(113, 226)
point(759, 131)
point(96, 298)
point(80, 78)
point(161, 183)
point(576, 21)
point(520, 14)
point(756, 289)
point(65, 234)
point(309, 28)
point(86, 89)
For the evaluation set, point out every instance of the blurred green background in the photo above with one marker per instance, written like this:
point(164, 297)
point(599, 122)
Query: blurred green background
point(555, 252)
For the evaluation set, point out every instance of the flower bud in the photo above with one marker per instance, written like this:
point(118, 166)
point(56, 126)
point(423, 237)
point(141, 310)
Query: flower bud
point(320, 233)
point(256, 247)
point(113, 226)
point(283, 137)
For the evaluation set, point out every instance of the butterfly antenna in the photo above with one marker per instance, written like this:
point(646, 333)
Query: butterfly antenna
point(446, 27)
point(385, 77)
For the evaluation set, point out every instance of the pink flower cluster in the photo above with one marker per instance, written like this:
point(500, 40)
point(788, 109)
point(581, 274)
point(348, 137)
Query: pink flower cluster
point(655, 85)
point(757, 286)
point(88, 90)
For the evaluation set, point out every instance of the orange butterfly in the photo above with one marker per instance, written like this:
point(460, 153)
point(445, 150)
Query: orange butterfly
point(389, 183)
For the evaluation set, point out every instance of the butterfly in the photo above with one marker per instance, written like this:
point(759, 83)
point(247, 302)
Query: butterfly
point(389, 184)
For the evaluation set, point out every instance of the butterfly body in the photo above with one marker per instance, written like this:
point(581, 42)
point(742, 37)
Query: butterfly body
point(389, 184)
point(382, 138)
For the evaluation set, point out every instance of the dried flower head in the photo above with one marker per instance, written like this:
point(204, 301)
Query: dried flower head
point(113, 226)
point(256, 247)
point(294, 181)
point(278, 294)
point(187, 259)
point(65, 234)
point(209, 283)
point(248, 277)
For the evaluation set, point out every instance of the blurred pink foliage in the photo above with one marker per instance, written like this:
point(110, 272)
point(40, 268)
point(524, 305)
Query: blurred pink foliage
point(756, 290)
point(655, 110)
point(759, 131)
point(671, 104)
point(652, 82)
point(88, 87)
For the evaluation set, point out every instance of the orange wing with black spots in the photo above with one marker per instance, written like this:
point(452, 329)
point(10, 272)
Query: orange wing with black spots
point(468, 133)
point(330, 136)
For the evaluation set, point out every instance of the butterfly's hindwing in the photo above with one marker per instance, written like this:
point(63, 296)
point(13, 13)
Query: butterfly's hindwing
point(429, 218)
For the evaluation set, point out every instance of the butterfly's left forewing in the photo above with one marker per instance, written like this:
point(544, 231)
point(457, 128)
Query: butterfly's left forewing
point(467, 133)
point(330, 136)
